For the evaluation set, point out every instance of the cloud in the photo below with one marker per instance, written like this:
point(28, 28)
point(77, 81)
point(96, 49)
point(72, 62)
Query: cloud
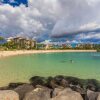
point(34, 21)
point(79, 16)
point(45, 19)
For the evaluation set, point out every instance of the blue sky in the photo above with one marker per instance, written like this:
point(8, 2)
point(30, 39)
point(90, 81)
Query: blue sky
point(73, 21)
point(15, 2)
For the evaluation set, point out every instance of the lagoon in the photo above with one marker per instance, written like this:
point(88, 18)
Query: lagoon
point(21, 67)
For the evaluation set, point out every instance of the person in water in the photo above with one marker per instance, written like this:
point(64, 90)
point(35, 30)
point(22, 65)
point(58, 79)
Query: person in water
point(71, 61)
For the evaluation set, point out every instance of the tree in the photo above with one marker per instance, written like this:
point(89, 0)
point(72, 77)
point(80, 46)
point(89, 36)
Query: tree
point(1, 38)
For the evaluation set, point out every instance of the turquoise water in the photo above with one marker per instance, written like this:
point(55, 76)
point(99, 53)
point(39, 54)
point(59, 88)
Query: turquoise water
point(21, 68)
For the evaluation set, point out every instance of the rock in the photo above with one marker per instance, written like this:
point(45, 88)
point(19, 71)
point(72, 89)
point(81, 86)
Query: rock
point(98, 97)
point(57, 91)
point(38, 94)
point(53, 84)
point(50, 83)
point(73, 80)
point(60, 80)
point(23, 89)
point(4, 88)
point(64, 83)
point(57, 82)
point(91, 95)
point(68, 94)
point(92, 84)
point(8, 95)
point(77, 88)
point(64, 91)
point(37, 80)
point(14, 85)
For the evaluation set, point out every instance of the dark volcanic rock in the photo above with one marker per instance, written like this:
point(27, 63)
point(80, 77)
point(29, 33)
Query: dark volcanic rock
point(57, 82)
point(23, 89)
point(61, 81)
point(78, 89)
point(14, 85)
point(92, 84)
point(37, 80)
point(64, 83)
point(74, 81)
point(49, 82)
point(91, 95)
point(53, 84)
point(4, 88)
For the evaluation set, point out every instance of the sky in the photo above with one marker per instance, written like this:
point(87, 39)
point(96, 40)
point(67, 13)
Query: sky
point(74, 21)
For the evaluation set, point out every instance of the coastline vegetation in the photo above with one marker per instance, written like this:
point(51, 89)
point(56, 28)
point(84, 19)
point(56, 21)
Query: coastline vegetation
point(13, 45)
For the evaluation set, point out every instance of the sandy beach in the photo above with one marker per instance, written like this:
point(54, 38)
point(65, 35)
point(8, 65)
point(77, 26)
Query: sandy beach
point(21, 52)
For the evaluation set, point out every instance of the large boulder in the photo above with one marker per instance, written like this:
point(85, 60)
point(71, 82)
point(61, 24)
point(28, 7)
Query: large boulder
point(57, 91)
point(67, 94)
point(8, 95)
point(98, 97)
point(61, 81)
point(74, 81)
point(23, 89)
point(56, 82)
point(50, 82)
point(91, 95)
point(37, 80)
point(38, 94)
point(92, 84)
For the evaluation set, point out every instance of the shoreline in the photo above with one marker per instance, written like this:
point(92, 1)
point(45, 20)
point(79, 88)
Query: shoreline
point(23, 52)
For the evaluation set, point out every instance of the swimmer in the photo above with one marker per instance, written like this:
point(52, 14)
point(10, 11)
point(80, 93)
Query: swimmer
point(71, 61)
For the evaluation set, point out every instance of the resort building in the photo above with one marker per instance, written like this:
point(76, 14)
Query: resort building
point(68, 46)
point(19, 42)
point(29, 44)
point(23, 43)
point(84, 46)
point(48, 46)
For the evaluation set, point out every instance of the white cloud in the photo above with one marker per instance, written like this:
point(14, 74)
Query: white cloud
point(51, 17)
point(89, 36)
point(79, 15)
point(30, 21)
point(90, 26)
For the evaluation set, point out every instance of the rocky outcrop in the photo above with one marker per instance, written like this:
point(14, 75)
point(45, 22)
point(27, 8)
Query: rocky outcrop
point(14, 85)
point(57, 91)
point(23, 89)
point(8, 95)
point(93, 84)
point(91, 95)
point(37, 80)
point(38, 94)
point(67, 94)
point(98, 97)
point(52, 88)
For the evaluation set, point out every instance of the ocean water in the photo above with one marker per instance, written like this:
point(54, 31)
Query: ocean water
point(22, 67)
